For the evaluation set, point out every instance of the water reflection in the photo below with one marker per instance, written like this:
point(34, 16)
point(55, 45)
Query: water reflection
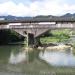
point(15, 55)
point(23, 56)
point(55, 58)
point(58, 58)
point(17, 58)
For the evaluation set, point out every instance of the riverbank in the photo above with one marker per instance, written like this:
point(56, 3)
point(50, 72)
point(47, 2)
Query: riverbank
point(50, 47)
point(55, 47)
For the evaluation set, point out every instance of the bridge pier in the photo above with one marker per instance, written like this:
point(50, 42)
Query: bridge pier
point(32, 42)
point(31, 39)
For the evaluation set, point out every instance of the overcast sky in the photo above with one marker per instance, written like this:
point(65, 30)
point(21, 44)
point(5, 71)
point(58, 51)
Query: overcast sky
point(36, 7)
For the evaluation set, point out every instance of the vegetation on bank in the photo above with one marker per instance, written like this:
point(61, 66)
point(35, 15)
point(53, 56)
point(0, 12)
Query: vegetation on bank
point(55, 36)
point(9, 36)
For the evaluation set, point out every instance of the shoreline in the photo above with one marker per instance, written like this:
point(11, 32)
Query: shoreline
point(58, 47)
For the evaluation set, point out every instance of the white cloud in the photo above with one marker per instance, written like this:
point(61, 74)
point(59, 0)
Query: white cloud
point(44, 7)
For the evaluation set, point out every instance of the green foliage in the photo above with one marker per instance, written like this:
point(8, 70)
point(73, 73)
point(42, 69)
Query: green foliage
point(56, 36)
point(8, 36)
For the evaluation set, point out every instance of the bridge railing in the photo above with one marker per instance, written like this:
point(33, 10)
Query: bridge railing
point(40, 26)
point(68, 25)
point(4, 26)
point(33, 26)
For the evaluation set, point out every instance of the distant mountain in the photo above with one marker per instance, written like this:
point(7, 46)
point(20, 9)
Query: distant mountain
point(40, 17)
point(10, 17)
point(68, 15)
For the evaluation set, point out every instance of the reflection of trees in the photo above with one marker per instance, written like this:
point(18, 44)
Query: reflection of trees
point(4, 53)
point(23, 56)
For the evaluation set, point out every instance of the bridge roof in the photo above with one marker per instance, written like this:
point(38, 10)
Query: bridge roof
point(36, 20)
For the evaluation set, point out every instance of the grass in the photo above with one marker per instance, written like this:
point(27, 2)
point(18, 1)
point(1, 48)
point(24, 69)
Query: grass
point(52, 40)
point(48, 39)
point(60, 31)
point(57, 36)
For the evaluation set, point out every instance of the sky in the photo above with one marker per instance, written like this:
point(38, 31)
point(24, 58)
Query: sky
point(36, 7)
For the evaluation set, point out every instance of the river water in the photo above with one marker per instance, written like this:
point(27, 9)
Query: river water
point(15, 59)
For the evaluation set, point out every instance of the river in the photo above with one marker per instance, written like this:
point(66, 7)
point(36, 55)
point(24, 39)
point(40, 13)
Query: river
point(15, 60)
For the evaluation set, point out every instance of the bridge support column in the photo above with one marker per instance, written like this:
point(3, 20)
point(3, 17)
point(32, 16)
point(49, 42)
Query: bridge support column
point(30, 40)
